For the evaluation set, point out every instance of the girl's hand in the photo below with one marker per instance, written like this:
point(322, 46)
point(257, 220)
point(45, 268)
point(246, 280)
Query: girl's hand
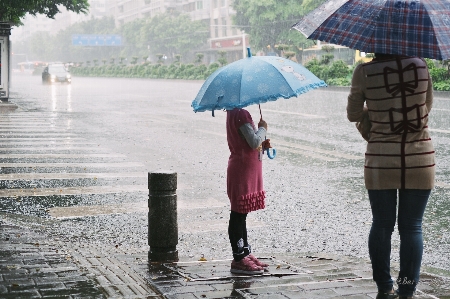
point(262, 123)
point(266, 144)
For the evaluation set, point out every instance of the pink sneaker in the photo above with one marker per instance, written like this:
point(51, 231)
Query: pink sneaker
point(258, 262)
point(246, 266)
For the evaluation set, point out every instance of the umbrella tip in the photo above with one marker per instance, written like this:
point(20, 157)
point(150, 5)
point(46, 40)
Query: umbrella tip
point(249, 53)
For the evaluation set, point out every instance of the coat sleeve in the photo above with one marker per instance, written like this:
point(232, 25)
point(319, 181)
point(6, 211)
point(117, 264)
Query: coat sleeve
point(429, 100)
point(254, 139)
point(355, 100)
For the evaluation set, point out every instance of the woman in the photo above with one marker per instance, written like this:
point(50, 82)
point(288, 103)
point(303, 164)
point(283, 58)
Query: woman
point(399, 159)
point(244, 185)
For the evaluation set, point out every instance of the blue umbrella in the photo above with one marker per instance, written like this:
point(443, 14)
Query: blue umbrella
point(254, 80)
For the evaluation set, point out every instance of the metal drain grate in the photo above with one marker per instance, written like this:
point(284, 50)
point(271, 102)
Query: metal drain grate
point(220, 269)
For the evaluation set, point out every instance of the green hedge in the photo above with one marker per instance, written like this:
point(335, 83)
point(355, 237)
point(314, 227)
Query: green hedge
point(337, 73)
point(154, 71)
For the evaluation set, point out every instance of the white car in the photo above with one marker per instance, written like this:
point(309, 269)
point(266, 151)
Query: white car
point(56, 73)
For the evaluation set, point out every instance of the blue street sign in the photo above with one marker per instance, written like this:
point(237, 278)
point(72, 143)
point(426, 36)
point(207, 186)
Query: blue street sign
point(96, 40)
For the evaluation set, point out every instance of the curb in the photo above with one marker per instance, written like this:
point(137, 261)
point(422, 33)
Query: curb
point(8, 106)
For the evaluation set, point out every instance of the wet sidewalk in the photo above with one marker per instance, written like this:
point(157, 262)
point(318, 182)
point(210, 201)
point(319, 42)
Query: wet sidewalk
point(290, 276)
point(35, 266)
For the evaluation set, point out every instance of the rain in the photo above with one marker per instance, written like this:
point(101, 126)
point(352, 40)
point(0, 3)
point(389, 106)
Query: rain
point(75, 156)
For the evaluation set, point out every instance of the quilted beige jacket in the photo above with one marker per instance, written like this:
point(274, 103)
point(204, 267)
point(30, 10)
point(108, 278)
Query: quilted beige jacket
point(398, 93)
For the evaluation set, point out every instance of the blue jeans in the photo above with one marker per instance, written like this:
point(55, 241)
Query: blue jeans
point(411, 207)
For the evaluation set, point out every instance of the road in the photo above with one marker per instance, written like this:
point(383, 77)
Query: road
point(76, 157)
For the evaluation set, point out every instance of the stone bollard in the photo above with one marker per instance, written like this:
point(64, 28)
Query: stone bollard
point(162, 217)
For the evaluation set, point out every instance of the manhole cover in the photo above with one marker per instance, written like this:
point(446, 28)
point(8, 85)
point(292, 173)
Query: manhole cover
point(220, 269)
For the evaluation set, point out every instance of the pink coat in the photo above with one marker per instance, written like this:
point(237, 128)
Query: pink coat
point(244, 174)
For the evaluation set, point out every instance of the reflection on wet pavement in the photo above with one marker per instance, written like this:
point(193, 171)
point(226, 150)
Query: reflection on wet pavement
point(97, 141)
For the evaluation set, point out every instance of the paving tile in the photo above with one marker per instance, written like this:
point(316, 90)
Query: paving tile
point(23, 282)
point(50, 284)
point(22, 294)
point(186, 289)
point(318, 294)
point(225, 285)
point(216, 294)
point(294, 279)
point(354, 291)
point(358, 297)
point(369, 283)
point(325, 285)
point(181, 296)
point(93, 272)
point(125, 290)
point(269, 296)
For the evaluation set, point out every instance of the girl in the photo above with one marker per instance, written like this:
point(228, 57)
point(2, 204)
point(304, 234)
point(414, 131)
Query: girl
point(244, 185)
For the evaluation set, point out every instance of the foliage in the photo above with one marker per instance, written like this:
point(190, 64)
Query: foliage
point(315, 67)
point(45, 47)
point(155, 71)
point(337, 73)
point(442, 86)
point(269, 21)
point(282, 47)
point(222, 57)
point(288, 54)
point(171, 33)
point(199, 57)
point(431, 64)
point(130, 32)
point(339, 81)
point(439, 74)
point(339, 69)
point(328, 48)
point(14, 10)
point(326, 59)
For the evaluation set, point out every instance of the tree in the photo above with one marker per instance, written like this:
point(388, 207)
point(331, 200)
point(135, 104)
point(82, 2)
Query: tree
point(173, 33)
point(328, 57)
point(134, 46)
point(13, 10)
point(222, 57)
point(199, 58)
point(269, 21)
point(42, 46)
point(38, 46)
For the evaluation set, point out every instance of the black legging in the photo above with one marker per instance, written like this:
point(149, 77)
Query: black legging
point(237, 232)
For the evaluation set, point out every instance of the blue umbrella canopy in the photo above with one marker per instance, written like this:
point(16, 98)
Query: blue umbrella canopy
point(254, 80)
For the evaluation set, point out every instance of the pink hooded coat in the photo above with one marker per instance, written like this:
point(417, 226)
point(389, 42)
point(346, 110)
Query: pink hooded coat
point(244, 174)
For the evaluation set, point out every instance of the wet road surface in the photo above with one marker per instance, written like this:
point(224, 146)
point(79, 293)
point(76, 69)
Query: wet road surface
point(77, 156)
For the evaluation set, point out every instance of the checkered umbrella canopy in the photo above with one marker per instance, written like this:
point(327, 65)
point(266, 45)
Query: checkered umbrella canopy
point(407, 27)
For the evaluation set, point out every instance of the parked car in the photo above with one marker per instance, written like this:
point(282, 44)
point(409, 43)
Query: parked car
point(56, 73)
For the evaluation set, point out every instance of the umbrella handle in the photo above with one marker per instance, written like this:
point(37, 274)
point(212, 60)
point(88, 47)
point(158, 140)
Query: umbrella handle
point(271, 155)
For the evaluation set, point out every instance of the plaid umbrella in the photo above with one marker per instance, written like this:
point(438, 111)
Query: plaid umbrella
point(408, 27)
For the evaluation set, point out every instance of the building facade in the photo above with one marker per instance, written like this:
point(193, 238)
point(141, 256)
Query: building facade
point(217, 13)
